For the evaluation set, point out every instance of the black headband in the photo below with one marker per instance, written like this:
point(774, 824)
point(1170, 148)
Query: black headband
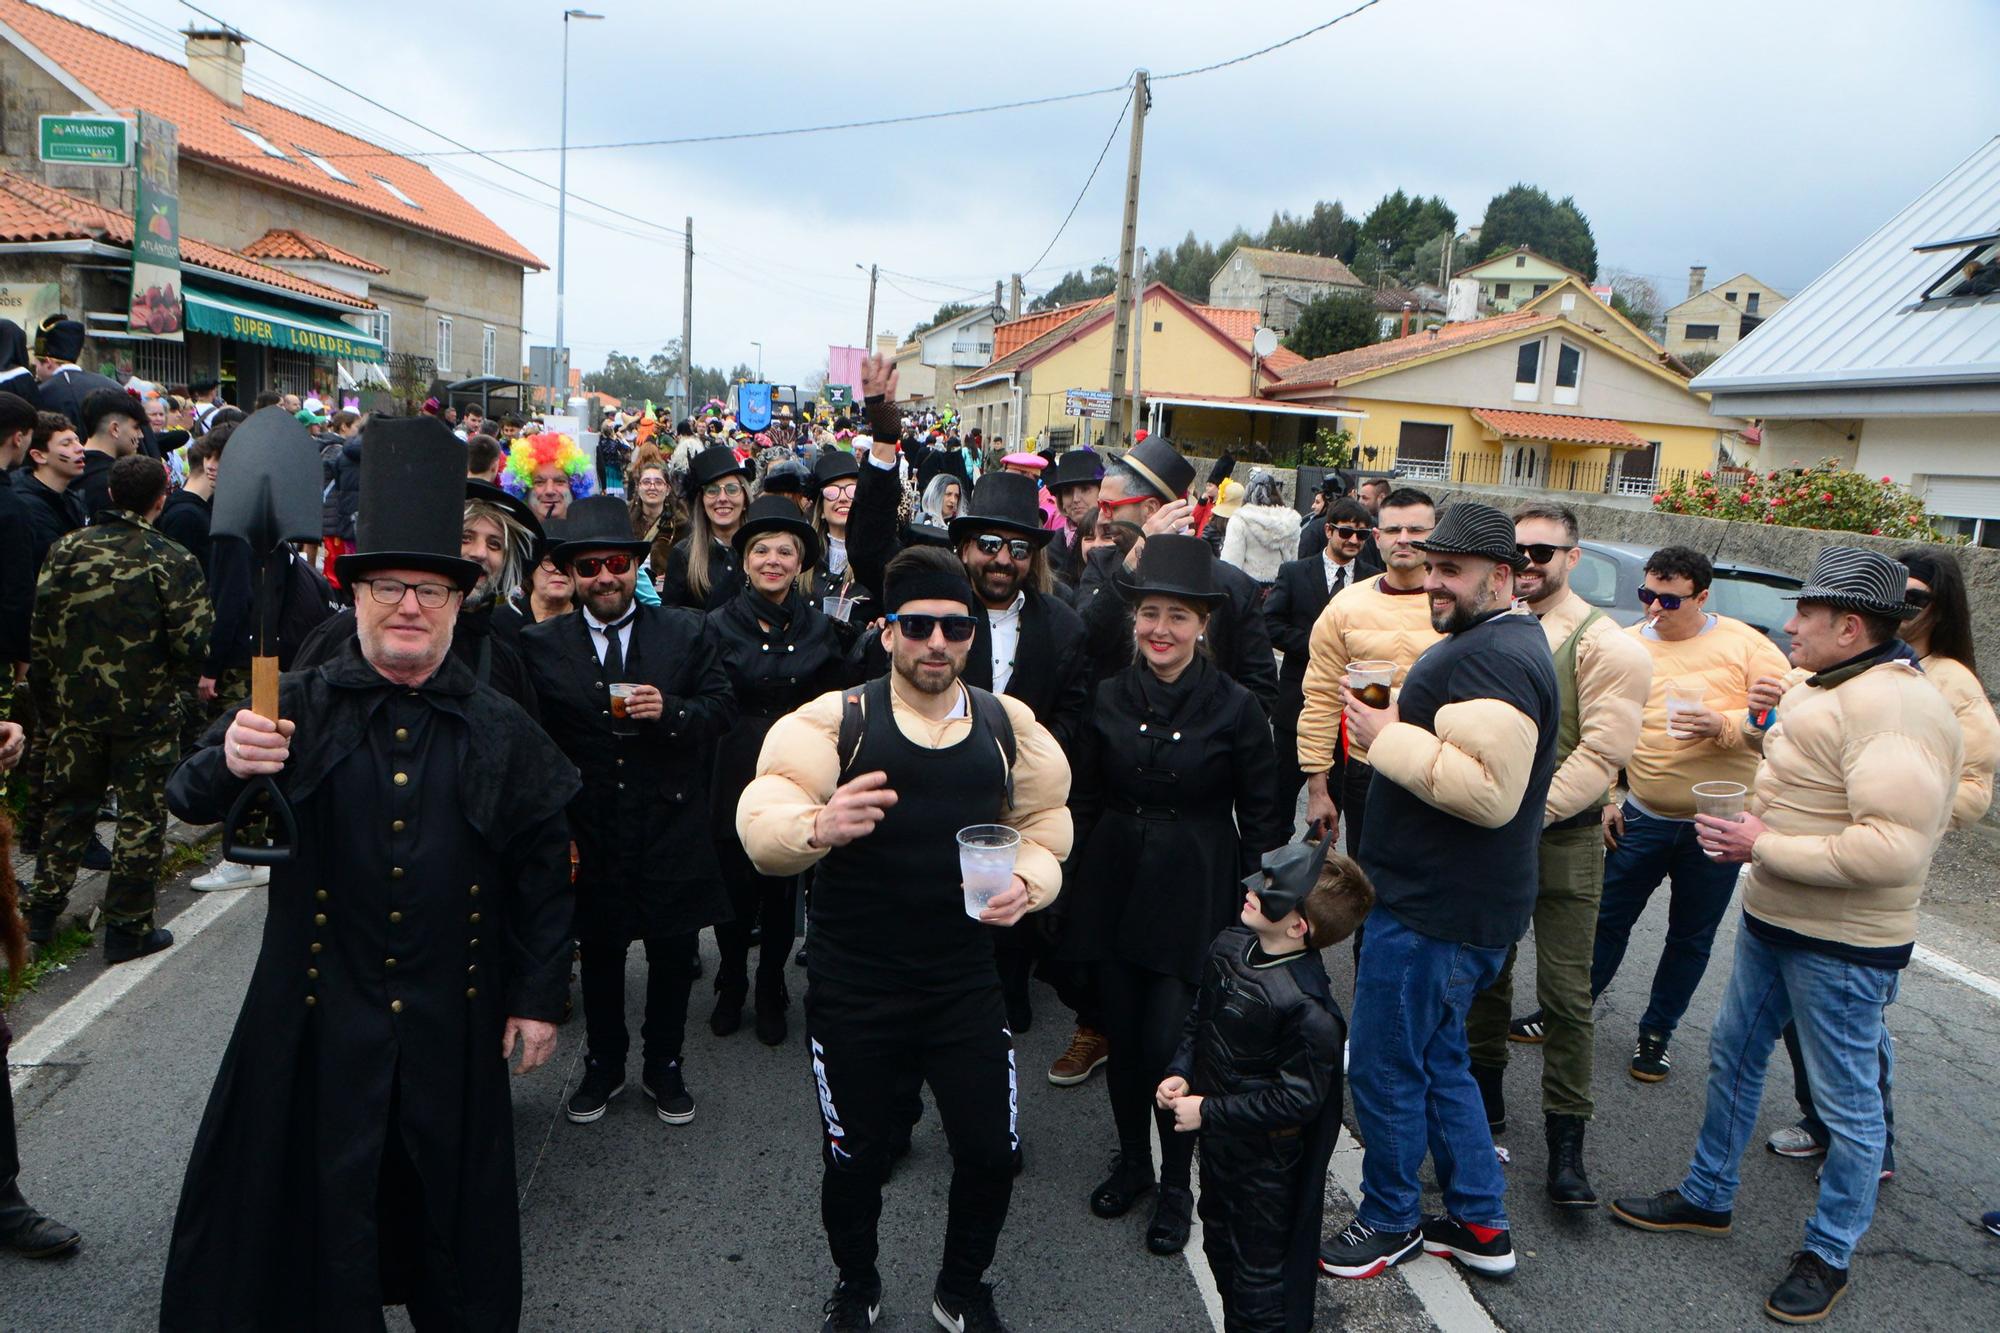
point(926, 585)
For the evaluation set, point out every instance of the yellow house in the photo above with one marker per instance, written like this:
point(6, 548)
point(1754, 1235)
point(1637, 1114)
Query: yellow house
point(1532, 398)
point(1509, 281)
point(1199, 380)
point(1573, 300)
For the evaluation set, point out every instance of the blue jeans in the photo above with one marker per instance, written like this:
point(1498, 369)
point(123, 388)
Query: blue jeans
point(1407, 1054)
point(1838, 1007)
point(1654, 849)
point(1809, 1119)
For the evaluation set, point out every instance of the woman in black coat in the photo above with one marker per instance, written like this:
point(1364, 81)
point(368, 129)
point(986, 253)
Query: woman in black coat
point(1173, 803)
point(836, 474)
point(703, 573)
point(780, 653)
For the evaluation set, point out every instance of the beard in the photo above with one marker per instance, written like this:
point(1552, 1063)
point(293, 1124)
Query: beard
point(481, 596)
point(1463, 614)
point(608, 606)
point(997, 587)
point(934, 681)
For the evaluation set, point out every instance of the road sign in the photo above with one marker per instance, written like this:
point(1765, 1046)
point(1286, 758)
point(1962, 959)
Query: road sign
point(840, 395)
point(96, 141)
point(1090, 404)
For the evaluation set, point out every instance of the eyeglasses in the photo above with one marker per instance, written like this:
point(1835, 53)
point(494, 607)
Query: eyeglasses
point(1110, 507)
point(732, 489)
point(389, 592)
point(1018, 547)
point(918, 629)
point(1917, 597)
point(587, 566)
point(1542, 552)
point(1668, 601)
point(1352, 534)
point(844, 491)
point(1407, 530)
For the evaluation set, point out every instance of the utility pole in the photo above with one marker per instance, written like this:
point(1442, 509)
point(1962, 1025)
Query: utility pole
point(996, 291)
point(1121, 324)
point(687, 325)
point(1014, 299)
point(868, 347)
point(1139, 341)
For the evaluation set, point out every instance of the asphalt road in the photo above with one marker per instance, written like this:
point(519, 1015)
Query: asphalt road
point(630, 1223)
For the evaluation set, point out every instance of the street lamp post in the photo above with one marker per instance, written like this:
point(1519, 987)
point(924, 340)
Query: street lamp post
point(760, 359)
point(562, 213)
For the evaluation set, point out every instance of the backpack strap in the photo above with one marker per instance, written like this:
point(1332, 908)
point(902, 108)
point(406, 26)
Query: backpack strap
point(987, 706)
point(854, 720)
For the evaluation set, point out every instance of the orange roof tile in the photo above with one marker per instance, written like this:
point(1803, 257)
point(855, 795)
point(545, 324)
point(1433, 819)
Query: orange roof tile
point(31, 211)
point(1283, 359)
point(1241, 326)
point(1380, 356)
point(1054, 327)
point(1018, 333)
point(1511, 425)
point(289, 243)
point(122, 76)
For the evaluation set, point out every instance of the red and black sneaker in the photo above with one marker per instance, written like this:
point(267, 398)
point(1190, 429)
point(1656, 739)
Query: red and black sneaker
point(1488, 1250)
point(1362, 1251)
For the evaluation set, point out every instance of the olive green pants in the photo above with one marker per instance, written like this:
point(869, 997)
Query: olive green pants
point(1572, 869)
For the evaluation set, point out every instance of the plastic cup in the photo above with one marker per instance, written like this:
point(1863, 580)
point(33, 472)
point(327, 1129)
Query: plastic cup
point(621, 692)
point(1683, 696)
point(840, 608)
point(1371, 680)
point(1723, 800)
point(986, 863)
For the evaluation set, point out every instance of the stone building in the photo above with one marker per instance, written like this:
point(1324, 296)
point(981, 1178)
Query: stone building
point(1714, 319)
point(1278, 284)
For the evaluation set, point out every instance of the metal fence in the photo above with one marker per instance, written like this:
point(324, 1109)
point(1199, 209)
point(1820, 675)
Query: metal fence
point(1577, 476)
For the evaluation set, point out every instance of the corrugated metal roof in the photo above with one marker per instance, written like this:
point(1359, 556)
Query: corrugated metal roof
point(1855, 325)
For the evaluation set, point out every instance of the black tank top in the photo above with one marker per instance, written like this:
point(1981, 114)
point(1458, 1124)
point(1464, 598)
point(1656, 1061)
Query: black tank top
point(887, 909)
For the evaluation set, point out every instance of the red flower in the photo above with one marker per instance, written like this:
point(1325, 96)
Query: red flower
point(1827, 496)
point(1659, 499)
point(1875, 532)
point(1887, 482)
point(1707, 476)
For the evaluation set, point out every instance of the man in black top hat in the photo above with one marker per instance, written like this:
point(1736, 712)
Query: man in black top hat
point(1148, 487)
point(636, 696)
point(1462, 761)
point(62, 385)
point(358, 1146)
point(1073, 479)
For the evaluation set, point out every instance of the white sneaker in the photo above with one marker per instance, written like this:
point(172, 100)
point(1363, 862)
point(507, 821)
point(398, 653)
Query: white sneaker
point(1794, 1141)
point(231, 875)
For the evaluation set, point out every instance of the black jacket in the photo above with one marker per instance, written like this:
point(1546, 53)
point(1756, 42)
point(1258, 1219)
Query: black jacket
point(725, 577)
point(19, 565)
point(347, 487)
point(65, 391)
point(51, 513)
point(646, 866)
point(1291, 608)
point(95, 483)
point(486, 642)
point(1312, 541)
point(186, 519)
point(1236, 634)
point(20, 381)
point(416, 916)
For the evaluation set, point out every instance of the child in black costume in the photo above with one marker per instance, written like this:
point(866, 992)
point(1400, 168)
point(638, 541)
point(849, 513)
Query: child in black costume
point(1258, 1075)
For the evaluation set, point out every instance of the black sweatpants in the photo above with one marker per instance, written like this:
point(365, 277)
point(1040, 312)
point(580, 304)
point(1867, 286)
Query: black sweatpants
point(1249, 1197)
point(865, 1045)
point(669, 978)
point(1143, 1013)
point(765, 901)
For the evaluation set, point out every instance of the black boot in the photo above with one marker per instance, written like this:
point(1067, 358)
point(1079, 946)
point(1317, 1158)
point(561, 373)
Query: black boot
point(1568, 1186)
point(728, 1013)
point(1173, 1217)
point(772, 1001)
point(42, 922)
point(122, 946)
point(1489, 1078)
point(22, 1229)
point(1131, 1176)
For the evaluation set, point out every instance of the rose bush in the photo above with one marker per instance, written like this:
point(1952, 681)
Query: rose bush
point(1827, 496)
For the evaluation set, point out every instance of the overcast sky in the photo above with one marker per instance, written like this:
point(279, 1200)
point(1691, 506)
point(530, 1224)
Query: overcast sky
point(1759, 135)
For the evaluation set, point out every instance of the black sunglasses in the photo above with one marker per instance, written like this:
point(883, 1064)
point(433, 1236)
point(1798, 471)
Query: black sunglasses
point(919, 628)
point(1353, 534)
point(1543, 552)
point(1917, 597)
point(587, 566)
point(1668, 601)
point(1018, 547)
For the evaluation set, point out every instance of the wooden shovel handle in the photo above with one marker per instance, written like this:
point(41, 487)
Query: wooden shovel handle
point(264, 687)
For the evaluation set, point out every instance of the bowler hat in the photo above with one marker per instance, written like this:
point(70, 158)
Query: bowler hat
point(485, 492)
point(716, 462)
point(1165, 472)
point(1471, 528)
point(412, 504)
point(774, 513)
point(597, 523)
point(1173, 566)
point(835, 465)
point(1287, 875)
point(1076, 467)
point(787, 476)
point(1852, 579)
point(1005, 500)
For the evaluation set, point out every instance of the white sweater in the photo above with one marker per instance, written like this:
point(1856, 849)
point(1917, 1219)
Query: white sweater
point(1260, 538)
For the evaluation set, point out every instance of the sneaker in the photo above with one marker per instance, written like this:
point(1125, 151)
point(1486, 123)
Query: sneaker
point(1795, 1141)
point(1088, 1048)
point(1809, 1291)
point(1362, 1251)
point(1991, 1221)
point(967, 1314)
point(593, 1096)
point(669, 1093)
point(231, 875)
point(1532, 1029)
point(1650, 1062)
point(96, 856)
point(851, 1307)
point(1668, 1211)
point(1488, 1250)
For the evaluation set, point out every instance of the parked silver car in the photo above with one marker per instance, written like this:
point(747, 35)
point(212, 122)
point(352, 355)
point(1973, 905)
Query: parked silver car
point(1609, 575)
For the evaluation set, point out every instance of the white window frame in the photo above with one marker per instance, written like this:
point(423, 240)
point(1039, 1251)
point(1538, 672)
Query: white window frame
point(489, 348)
point(444, 345)
point(378, 328)
point(268, 148)
point(324, 164)
point(1528, 391)
point(396, 193)
point(1568, 397)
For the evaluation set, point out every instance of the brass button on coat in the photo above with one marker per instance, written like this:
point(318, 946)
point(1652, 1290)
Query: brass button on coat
point(402, 779)
point(312, 974)
point(388, 962)
point(474, 890)
point(319, 918)
point(311, 1000)
point(395, 1006)
point(474, 918)
point(317, 946)
point(395, 872)
point(472, 992)
point(395, 918)
point(320, 895)
point(402, 733)
point(397, 826)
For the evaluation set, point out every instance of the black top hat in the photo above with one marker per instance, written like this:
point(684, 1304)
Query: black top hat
point(714, 463)
point(597, 523)
point(412, 507)
point(1077, 467)
point(1165, 471)
point(774, 513)
point(553, 532)
point(1852, 579)
point(1005, 500)
point(1471, 528)
point(1287, 875)
point(1171, 566)
point(485, 492)
point(834, 465)
point(788, 477)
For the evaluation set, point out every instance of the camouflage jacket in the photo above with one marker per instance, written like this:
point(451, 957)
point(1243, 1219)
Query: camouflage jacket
point(121, 621)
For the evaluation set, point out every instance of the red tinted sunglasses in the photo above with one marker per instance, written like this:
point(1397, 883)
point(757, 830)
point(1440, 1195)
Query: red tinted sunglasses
point(588, 565)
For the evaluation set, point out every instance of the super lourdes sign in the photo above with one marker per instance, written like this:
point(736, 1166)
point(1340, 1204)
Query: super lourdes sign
point(245, 329)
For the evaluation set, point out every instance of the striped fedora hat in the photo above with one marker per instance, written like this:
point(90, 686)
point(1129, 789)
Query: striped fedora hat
point(1856, 580)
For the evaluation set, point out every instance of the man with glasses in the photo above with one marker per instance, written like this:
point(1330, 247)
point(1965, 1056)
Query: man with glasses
point(1602, 675)
point(1386, 618)
point(1706, 663)
point(869, 786)
point(636, 696)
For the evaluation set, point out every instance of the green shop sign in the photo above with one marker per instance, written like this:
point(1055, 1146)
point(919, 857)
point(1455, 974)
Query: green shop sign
point(96, 141)
point(243, 320)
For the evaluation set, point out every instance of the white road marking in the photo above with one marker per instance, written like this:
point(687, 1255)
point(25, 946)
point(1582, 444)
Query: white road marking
point(1957, 971)
point(47, 1038)
point(1436, 1282)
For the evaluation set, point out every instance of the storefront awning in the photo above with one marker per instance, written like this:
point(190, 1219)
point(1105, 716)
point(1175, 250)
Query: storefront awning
point(1264, 405)
point(250, 321)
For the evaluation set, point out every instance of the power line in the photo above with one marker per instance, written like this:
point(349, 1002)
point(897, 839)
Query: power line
point(1086, 186)
point(1266, 50)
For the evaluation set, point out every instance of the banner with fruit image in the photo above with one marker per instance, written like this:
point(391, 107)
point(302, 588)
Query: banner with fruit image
point(156, 232)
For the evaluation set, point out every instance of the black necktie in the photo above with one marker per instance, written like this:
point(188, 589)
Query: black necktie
point(614, 656)
point(1339, 580)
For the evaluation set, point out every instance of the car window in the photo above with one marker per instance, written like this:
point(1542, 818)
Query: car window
point(1595, 579)
point(1753, 601)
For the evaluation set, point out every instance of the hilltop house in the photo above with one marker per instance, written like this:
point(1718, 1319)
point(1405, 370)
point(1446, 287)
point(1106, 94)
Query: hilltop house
point(1714, 319)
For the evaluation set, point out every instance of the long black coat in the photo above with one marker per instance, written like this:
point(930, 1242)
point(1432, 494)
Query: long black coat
point(646, 867)
point(65, 391)
point(1297, 596)
point(1171, 812)
point(1236, 635)
point(417, 916)
point(725, 577)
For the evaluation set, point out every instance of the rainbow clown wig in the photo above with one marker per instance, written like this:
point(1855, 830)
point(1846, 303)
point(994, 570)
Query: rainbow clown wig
point(531, 453)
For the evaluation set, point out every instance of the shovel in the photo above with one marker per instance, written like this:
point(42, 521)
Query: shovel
point(268, 494)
